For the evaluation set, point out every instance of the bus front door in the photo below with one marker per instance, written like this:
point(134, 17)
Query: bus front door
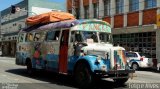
point(63, 53)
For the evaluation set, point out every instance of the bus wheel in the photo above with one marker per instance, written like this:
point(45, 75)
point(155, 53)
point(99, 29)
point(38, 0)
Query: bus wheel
point(120, 81)
point(29, 67)
point(83, 76)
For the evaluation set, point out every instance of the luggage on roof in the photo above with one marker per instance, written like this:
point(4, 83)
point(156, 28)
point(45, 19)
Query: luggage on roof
point(54, 16)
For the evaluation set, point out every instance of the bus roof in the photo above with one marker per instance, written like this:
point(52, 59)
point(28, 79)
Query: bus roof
point(73, 24)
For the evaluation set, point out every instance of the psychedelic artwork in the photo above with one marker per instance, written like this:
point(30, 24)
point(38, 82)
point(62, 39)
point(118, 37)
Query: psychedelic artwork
point(119, 59)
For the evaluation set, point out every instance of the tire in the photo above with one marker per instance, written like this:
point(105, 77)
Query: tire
point(135, 66)
point(83, 75)
point(120, 81)
point(30, 70)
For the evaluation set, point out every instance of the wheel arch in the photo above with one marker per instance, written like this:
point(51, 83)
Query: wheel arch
point(27, 60)
point(135, 63)
point(88, 64)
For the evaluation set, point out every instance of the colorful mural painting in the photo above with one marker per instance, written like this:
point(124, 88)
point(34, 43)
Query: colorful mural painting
point(119, 59)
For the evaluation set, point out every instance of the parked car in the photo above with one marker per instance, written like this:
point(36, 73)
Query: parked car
point(158, 67)
point(0, 52)
point(138, 60)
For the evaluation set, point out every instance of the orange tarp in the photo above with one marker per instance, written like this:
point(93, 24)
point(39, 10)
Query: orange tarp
point(53, 16)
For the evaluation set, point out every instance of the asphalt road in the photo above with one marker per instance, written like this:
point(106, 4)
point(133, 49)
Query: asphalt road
point(15, 77)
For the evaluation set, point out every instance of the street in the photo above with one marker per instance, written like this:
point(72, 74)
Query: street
point(17, 75)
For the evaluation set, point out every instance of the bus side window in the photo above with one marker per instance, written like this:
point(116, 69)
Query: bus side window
point(29, 37)
point(56, 37)
point(52, 35)
point(72, 36)
point(37, 37)
point(20, 38)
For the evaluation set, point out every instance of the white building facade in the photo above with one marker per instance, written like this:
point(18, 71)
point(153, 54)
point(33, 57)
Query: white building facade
point(12, 23)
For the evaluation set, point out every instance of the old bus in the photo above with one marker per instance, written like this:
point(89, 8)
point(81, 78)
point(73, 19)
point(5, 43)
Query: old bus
point(82, 48)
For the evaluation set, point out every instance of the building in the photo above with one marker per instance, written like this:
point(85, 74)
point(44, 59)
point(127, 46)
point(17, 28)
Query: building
point(133, 22)
point(11, 23)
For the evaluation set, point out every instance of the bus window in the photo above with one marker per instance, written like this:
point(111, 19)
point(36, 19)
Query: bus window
point(37, 37)
point(52, 35)
point(72, 36)
point(20, 38)
point(29, 37)
point(76, 36)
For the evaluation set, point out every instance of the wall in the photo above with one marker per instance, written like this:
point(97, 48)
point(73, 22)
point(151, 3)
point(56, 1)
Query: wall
point(149, 16)
point(10, 22)
point(133, 19)
point(118, 21)
point(158, 45)
point(107, 19)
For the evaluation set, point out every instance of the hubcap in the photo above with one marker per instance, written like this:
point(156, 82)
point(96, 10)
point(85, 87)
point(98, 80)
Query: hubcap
point(135, 66)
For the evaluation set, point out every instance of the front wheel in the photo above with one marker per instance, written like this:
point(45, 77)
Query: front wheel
point(30, 70)
point(83, 76)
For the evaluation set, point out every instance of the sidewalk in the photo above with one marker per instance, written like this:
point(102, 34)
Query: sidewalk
point(10, 58)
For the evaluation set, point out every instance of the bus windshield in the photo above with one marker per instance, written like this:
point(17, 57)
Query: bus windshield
point(91, 37)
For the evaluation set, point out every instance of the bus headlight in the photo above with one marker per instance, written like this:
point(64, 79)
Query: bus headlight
point(104, 68)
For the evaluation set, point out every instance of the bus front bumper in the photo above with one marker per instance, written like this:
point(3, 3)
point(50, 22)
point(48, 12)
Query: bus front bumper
point(115, 73)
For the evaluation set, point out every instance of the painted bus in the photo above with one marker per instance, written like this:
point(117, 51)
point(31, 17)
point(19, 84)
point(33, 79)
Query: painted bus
point(82, 48)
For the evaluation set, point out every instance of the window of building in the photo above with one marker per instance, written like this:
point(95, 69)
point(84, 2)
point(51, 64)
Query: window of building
point(133, 5)
point(69, 11)
point(86, 12)
point(119, 6)
point(107, 7)
point(150, 3)
point(15, 24)
point(140, 42)
point(77, 13)
point(95, 9)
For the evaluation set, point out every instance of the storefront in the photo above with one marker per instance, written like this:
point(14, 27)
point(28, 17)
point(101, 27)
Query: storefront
point(9, 45)
point(140, 42)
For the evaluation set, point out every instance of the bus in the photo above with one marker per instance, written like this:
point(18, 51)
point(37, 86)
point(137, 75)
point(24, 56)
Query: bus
point(82, 48)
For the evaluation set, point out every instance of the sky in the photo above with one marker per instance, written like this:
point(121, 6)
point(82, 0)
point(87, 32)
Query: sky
point(7, 3)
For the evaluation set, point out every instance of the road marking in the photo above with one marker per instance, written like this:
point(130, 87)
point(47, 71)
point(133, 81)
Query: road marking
point(16, 79)
point(4, 75)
